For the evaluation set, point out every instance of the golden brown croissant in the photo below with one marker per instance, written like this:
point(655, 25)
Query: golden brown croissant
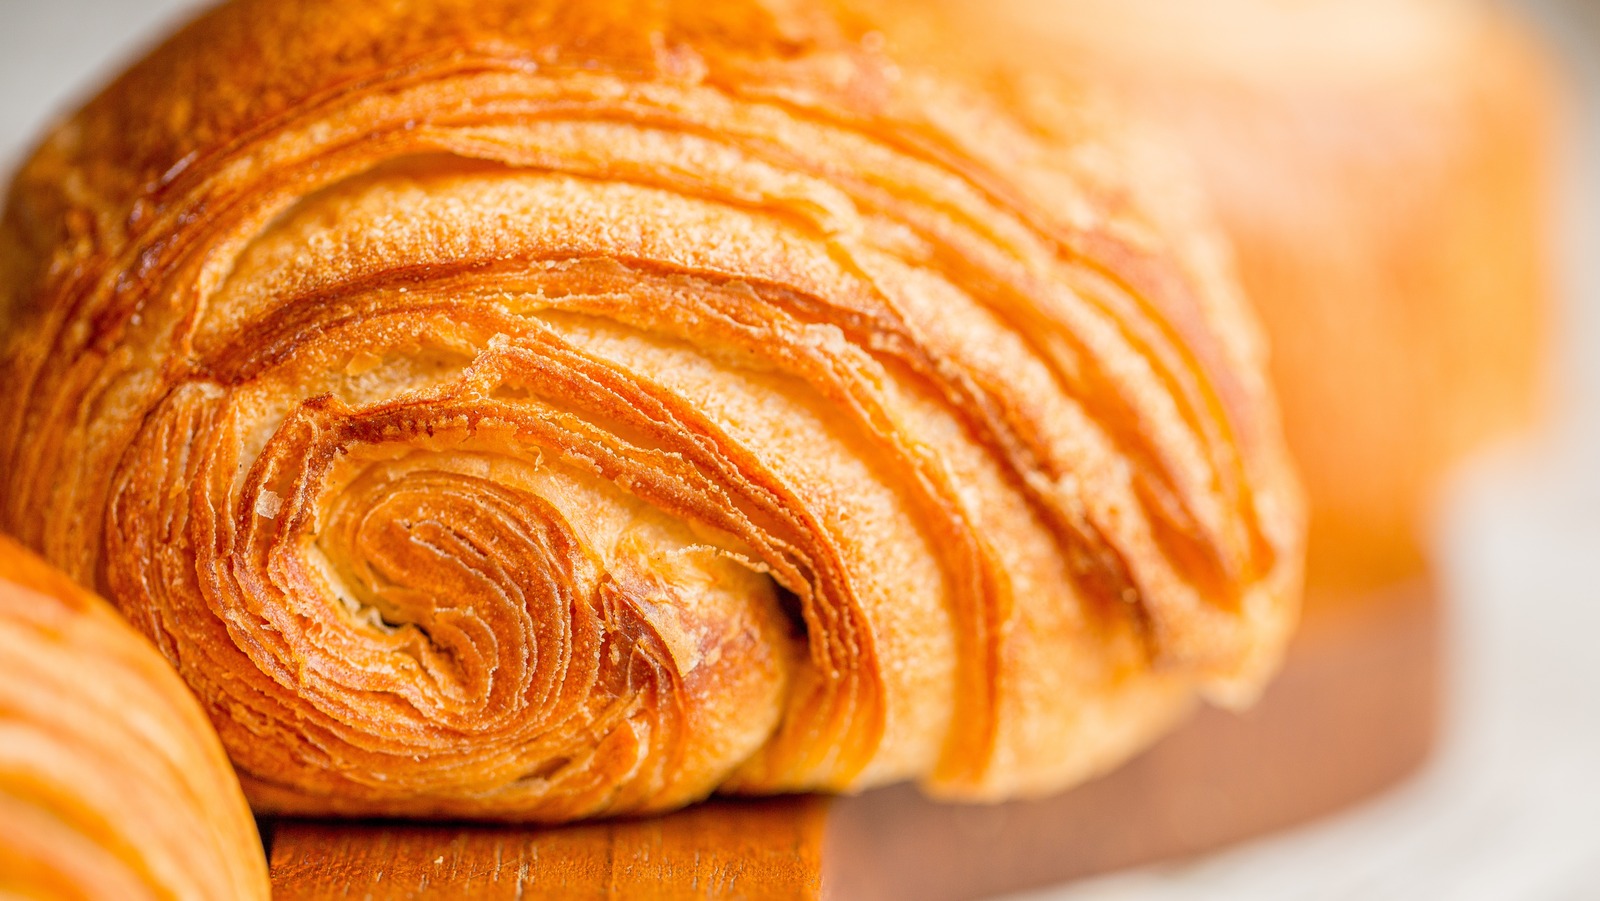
point(112, 783)
point(537, 410)
point(1382, 167)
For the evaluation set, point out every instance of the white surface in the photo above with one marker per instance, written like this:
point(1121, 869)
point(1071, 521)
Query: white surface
point(1511, 807)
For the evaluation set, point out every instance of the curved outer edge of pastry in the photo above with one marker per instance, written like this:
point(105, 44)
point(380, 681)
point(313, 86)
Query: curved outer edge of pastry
point(112, 782)
point(1385, 172)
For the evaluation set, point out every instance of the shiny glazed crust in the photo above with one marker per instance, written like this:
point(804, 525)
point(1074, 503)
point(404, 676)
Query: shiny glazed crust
point(112, 783)
point(537, 410)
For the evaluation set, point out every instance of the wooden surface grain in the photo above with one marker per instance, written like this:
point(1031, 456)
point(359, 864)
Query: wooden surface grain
point(1354, 710)
point(732, 849)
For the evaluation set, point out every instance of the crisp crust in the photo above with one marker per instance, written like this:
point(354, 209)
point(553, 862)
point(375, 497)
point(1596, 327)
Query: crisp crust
point(541, 410)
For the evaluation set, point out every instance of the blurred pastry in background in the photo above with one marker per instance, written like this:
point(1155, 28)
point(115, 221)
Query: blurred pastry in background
point(1383, 168)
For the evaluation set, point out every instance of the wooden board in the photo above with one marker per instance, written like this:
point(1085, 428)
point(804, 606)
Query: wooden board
point(1354, 710)
point(728, 849)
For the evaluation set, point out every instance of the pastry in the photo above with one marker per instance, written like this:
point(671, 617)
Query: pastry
point(1383, 170)
point(540, 410)
point(112, 782)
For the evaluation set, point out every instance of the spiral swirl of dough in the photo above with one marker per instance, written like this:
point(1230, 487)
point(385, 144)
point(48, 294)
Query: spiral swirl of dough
point(537, 410)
